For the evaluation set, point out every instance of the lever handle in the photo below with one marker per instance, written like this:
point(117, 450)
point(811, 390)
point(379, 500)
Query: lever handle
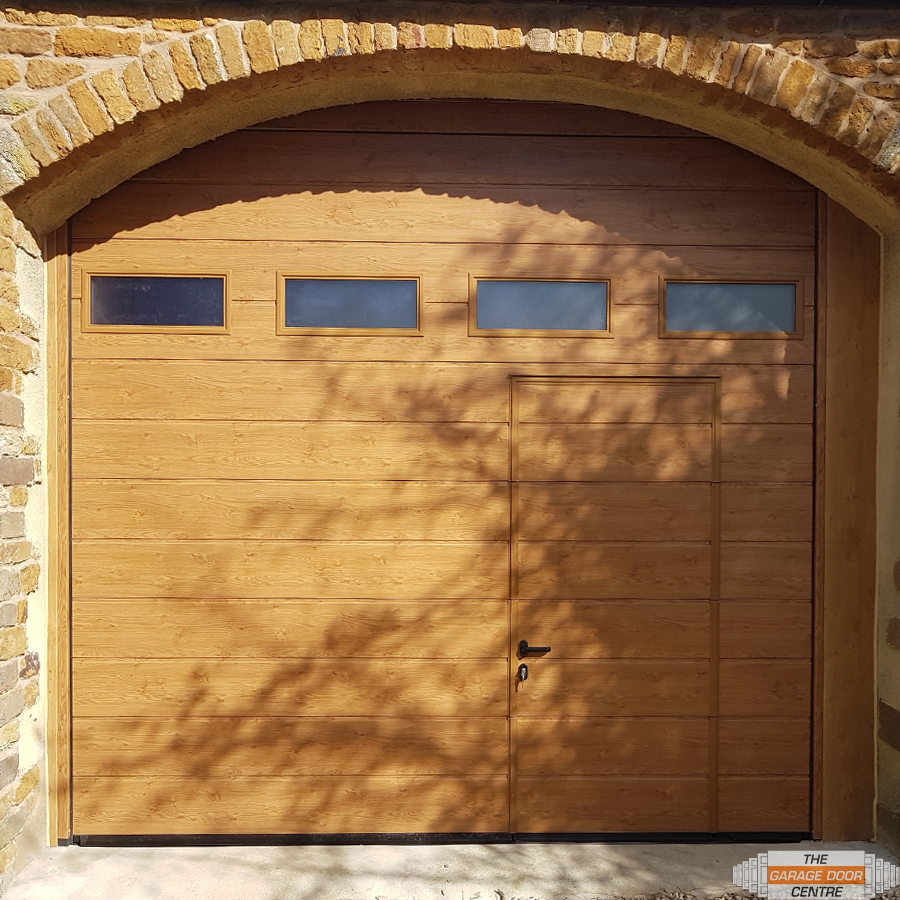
point(524, 649)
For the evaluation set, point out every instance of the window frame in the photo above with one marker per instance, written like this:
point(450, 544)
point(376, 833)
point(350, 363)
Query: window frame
point(475, 331)
point(799, 308)
point(281, 326)
point(157, 272)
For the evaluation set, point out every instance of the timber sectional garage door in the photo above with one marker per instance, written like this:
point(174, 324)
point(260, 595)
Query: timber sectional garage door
point(362, 399)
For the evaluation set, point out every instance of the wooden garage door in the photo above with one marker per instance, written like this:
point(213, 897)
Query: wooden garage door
point(302, 563)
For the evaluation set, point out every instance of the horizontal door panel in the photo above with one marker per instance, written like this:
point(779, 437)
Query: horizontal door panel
point(604, 401)
point(766, 512)
point(767, 452)
point(279, 450)
point(764, 746)
point(291, 510)
point(615, 452)
point(770, 571)
point(614, 688)
point(552, 214)
point(288, 391)
point(765, 630)
point(764, 688)
point(265, 747)
point(612, 804)
point(560, 511)
point(616, 629)
point(404, 570)
point(764, 804)
point(572, 570)
point(297, 805)
point(620, 746)
point(781, 394)
point(283, 629)
point(445, 338)
point(266, 687)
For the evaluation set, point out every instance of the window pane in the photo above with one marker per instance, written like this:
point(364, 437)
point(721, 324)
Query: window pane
point(730, 307)
point(542, 305)
point(157, 300)
point(350, 303)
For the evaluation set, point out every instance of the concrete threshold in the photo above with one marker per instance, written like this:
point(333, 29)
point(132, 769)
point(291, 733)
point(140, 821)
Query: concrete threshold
point(553, 871)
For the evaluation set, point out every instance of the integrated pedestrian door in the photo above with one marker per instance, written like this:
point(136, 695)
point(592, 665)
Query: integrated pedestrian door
point(444, 468)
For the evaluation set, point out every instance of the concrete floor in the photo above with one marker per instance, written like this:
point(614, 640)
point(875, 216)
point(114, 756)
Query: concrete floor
point(454, 872)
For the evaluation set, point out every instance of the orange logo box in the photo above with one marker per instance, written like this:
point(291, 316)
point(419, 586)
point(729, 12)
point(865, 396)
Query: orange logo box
point(817, 875)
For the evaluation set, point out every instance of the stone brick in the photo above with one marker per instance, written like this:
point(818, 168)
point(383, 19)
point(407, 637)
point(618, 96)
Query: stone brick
point(880, 49)
point(57, 140)
point(6, 801)
point(27, 130)
point(139, 90)
point(285, 40)
point(889, 68)
point(673, 61)
point(568, 41)
point(880, 127)
point(836, 109)
point(203, 48)
point(511, 39)
point(26, 41)
point(14, 105)
point(27, 784)
point(184, 68)
point(11, 704)
point(795, 48)
point(753, 25)
point(9, 668)
point(592, 43)
point(9, 733)
point(22, 610)
point(14, 551)
point(12, 642)
point(309, 38)
point(362, 37)
point(769, 73)
point(9, 615)
point(112, 92)
point(816, 97)
point(333, 36)
point(7, 257)
point(385, 36)
point(620, 47)
point(410, 36)
point(32, 693)
point(97, 42)
point(703, 55)
point(211, 20)
point(68, 116)
point(832, 46)
point(29, 576)
point(857, 122)
point(183, 25)
point(112, 21)
point(14, 470)
point(6, 380)
point(9, 73)
point(440, 37)
point(18, 496)
point(794, 85)
point(89, 107)
point(259, 47)
point(12, 412)
point(745, 72)
point(725, 69)
point(161, 76)
point(10, 320)
point(12, 524)
point(232, 52)
point(476, 37)
point(850, 68)
point(646, 53)
point(42, 73)
point(881, 90)
point(9, 768)
point(15, 821)
point(541, 40)
point(31, 665)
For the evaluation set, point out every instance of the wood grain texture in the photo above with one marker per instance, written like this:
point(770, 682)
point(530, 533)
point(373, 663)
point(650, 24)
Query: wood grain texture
point(298, 805)
point(291, 510)
point(766, 512)
point(764, 746)
point(254, 747)
point(767, 452)
point(616, 629)
point(612, 746)
point(760, 630)
point(280, 450)
point(766, 571)
point(614, 688)
point(612, 804)
point(285, 629)
point(613, 512)
point(300, 569)
point(267, 687)
point(751, 218)
point(764, 804)
point(764, 687)
point(574, 570)
point(615, 453)
point(777, 394)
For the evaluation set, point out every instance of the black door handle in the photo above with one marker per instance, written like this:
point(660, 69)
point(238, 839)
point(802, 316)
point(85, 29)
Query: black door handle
point(524, 649)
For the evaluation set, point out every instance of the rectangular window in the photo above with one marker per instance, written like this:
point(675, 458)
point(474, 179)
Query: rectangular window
point(348, 305)
point(194, 303)
point(539, 307)
point(729, 309)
